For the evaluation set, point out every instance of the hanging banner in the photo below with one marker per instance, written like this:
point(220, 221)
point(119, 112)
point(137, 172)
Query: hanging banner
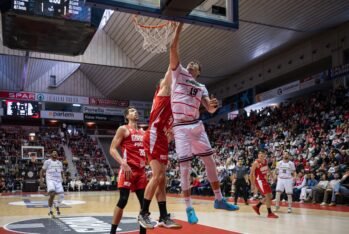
point(282, 90)
point(62, 115)
point(339, 71)
point(108, 102)
point(17, 95)
point(44, 97)
point(103, 110)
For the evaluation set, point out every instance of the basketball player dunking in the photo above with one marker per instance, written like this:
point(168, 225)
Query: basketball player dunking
point(189, 132)
point(259, 179)
point(132, 162)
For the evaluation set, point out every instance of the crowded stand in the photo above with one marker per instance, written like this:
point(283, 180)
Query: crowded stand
point(93, 171)
point(314, 130)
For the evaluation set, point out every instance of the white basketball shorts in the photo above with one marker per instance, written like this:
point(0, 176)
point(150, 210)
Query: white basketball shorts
point(191, 140)
point(54, 186)
point(285, 184)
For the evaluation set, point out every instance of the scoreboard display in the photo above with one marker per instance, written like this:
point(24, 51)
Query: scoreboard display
point(22, 109)
point(67, 9)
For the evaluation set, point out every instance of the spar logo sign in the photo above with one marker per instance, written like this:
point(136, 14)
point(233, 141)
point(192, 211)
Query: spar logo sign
point(17, 95)
point(73, 225)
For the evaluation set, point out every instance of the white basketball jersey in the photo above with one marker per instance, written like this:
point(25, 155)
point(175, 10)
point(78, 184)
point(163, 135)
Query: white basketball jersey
point(186, 95)
point(53, 170)
point(285, 170)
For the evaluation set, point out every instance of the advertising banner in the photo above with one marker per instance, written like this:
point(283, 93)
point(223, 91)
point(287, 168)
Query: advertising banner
point(62, 115)
point(103, 110)
point(92, 117)
point(108, 102)
point(141, 105)
point(17, 95)
point(44, 97)
point(282, 90)
point(339, 71)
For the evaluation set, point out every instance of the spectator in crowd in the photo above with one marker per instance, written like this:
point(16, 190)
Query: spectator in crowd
point(299, 184)
point(195, 186)
point(310, 183)
point(319, 189)
point(341, 188)
point(329, 189)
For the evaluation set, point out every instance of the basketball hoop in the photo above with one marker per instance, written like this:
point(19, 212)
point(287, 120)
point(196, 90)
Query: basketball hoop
point(156, 36)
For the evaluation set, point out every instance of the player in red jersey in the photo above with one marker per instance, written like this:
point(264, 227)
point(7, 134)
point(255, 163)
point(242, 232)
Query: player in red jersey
point(259, 179)
point(132, 162)
point(156, 148)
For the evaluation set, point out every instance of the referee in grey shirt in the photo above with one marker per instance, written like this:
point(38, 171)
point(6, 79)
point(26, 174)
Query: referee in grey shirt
point(240, 180)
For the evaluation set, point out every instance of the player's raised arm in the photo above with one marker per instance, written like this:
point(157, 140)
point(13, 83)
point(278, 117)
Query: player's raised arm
point(174, 53)
point(167, 79)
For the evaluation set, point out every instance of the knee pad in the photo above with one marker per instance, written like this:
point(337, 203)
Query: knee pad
point(122, 202)
point(211, 169)
point(123, 198)
point(185, 175)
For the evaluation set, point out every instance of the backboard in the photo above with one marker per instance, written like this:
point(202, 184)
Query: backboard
point(211, 13)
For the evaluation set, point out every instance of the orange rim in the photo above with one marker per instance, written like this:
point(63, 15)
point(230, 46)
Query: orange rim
point(149, 26)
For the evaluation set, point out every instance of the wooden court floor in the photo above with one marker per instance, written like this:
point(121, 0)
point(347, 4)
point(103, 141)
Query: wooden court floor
point(90, 212)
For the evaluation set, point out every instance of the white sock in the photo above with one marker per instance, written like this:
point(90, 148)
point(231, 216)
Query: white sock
point(277, 198)
point(50, 208)
point(188, 202)
point(218, 194)
point(289, 199)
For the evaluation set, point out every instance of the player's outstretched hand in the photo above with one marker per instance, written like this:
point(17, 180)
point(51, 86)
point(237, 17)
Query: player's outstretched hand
point(213, 102)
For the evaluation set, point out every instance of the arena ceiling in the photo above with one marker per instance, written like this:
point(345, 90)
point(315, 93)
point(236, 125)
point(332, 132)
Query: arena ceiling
point(266, 27)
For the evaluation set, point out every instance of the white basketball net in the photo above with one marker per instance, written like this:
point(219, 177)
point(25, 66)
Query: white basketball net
point(156, 37)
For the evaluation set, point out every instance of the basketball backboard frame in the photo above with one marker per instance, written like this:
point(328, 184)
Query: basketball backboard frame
point(148, 8)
